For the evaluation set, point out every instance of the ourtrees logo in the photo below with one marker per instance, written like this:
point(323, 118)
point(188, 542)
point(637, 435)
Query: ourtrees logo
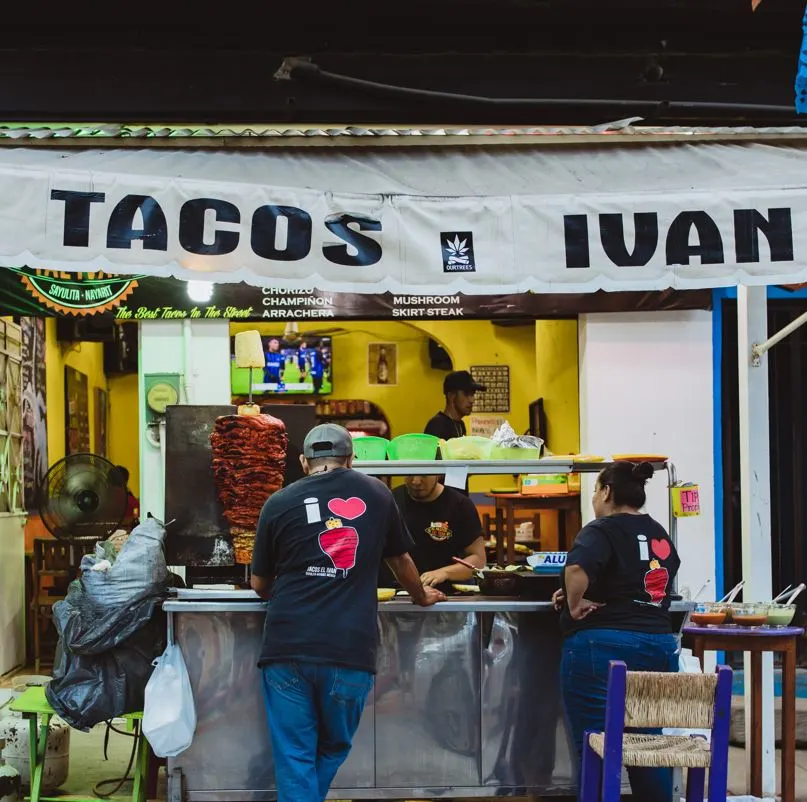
point(458, 252)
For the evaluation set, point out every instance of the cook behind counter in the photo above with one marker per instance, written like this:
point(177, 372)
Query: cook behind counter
point(447, 526)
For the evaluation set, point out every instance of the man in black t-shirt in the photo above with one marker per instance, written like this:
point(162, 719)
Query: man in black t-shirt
point(318, 549)
point(459, 389)
point(443, 523)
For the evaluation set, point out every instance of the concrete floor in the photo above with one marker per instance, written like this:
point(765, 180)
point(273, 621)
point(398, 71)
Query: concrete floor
point(87, 764)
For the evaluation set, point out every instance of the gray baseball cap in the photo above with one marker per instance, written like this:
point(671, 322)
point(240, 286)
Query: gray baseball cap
point(328, 440)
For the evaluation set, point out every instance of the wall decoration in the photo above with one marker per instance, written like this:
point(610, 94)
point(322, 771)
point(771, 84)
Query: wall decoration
point(101, 407)
point(382, 363)
point(77, 412)
point(34, 407)
point(11, 428)
point(485, 425)
point(496, 379)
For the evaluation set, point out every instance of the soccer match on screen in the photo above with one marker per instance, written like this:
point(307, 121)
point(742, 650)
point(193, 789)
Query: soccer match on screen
point(299, 367)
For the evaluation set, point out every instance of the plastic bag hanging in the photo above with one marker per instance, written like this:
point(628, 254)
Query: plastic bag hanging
point(169, 714)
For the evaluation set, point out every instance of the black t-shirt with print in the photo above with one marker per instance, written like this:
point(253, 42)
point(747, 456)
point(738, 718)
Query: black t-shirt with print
point(440, 529)
point(322, 539)
point(631, 564)
point(445, 427)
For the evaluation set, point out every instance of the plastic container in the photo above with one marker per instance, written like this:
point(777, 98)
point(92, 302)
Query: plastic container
point(709, 614)
point(547, 562)
point(413, 446)
point(14, 731)
point(466, 448)
point(515, 454)
point(781, 615)
point(370, 448)
point(750, 615)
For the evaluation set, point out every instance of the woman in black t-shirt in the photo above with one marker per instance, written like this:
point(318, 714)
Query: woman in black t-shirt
point(615, 606)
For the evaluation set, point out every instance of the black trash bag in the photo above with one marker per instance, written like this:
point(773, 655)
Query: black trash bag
point(95, 686)
point(111, 628)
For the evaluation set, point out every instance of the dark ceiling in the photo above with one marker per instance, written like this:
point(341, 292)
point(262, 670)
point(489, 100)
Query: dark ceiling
point(216, 64)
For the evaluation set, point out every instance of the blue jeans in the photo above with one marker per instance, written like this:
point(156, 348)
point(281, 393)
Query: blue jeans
point(313, 712)
point(584, 679)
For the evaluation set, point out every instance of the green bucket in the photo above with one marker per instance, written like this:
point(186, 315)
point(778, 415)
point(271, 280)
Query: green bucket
point(413, 446)
point(370, 448)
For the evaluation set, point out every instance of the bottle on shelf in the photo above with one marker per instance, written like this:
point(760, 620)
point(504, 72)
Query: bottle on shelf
point(382, 368)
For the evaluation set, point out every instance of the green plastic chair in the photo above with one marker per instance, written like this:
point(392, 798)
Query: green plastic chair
point(35, 709)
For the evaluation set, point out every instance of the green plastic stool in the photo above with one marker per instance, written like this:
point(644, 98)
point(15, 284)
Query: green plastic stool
point(32, 704)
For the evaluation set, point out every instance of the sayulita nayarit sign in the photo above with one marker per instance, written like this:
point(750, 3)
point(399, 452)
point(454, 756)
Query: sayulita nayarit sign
point(77, 293)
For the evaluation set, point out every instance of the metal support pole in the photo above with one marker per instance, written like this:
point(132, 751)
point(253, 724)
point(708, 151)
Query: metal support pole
point(761, 348)
point(755, 495)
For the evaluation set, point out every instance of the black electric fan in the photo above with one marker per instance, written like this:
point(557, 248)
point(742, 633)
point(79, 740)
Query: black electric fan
point(82, 499)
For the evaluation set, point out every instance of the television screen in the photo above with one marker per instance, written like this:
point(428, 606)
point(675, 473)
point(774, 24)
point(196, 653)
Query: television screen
point(292, 367)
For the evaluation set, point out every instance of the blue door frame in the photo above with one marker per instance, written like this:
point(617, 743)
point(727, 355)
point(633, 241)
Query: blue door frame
point(718, 296)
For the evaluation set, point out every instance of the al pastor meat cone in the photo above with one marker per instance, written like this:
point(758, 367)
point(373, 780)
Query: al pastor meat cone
point(249, 462)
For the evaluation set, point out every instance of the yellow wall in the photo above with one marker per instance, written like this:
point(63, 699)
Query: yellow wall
point(123, 436)
point(557, 382)
point(418, 394)
point(542, 359)
point(85, 357)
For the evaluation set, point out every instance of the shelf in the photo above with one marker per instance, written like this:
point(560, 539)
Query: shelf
point(474, 467)
point(480, 467)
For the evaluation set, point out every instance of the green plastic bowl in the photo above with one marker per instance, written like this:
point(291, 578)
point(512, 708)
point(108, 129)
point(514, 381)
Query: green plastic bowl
point(413, 446)
point(515, 454)
point(370, 448)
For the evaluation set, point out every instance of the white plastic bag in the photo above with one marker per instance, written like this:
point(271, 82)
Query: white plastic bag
point(689, 664)
point(169, 714)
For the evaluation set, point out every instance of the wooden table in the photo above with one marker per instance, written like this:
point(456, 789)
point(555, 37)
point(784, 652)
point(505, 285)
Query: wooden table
point(567, 506)
point(755, 641)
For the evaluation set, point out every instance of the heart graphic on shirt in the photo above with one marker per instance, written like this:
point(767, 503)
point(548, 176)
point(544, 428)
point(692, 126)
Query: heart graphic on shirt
point(349, 509)
point(661, 548)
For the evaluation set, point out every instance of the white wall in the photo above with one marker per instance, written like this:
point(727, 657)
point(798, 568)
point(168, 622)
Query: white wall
point(646, 387)
point(12, 592)
point(202, 356)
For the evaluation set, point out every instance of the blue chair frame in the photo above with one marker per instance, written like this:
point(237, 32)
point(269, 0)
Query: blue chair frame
point(601, 778)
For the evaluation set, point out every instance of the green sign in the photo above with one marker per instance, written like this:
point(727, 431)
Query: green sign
point(77, 293)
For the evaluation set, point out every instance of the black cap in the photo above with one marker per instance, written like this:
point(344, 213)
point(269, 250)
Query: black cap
point(462, 380)
point(328, 440)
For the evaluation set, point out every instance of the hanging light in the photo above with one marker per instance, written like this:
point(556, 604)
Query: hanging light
point(200, 291)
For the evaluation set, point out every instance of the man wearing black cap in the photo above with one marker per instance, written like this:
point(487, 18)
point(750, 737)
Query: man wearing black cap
point(318, 549)
point(459, 389)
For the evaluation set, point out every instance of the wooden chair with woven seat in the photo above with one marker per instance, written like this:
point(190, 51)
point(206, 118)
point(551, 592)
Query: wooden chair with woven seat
point(645, 701)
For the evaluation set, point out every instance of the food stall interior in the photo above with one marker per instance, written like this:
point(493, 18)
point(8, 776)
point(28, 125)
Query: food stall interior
point(463, 684)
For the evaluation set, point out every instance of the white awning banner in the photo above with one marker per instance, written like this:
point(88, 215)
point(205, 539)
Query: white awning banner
point(424, 221)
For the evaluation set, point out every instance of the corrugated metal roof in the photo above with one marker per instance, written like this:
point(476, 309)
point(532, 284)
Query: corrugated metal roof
point(122, 135)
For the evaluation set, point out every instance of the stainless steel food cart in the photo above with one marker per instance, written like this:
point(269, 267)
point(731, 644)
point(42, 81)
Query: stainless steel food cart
point(466, 702)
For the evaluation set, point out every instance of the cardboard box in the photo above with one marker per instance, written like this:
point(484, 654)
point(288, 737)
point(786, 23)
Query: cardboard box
point(545, 484)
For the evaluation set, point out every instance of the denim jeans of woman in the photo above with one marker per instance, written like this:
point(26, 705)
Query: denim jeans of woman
point(584, 681)
point(313, 711)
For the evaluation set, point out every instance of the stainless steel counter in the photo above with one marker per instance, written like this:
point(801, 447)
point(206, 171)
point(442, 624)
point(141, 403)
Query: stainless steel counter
point(466, 703)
